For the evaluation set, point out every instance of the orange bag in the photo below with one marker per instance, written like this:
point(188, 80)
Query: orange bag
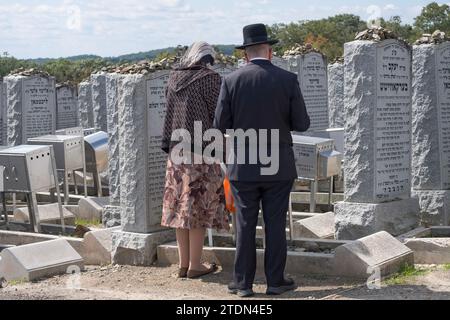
point(229, 196)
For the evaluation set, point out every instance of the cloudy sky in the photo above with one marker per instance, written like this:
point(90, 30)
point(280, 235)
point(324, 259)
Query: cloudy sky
point(58, 28)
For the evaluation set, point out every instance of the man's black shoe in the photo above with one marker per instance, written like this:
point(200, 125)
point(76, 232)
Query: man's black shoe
point(247, 293)
point(288, 285)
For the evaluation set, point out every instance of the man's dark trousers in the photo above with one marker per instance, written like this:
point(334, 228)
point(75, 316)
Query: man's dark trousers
point(274, 197)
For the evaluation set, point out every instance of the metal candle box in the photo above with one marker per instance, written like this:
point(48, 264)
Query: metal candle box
point(27, 169)
point(68, 150)
point(316, 158)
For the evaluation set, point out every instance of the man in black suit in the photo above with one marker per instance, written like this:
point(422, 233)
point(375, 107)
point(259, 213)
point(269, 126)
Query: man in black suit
point(261, 96)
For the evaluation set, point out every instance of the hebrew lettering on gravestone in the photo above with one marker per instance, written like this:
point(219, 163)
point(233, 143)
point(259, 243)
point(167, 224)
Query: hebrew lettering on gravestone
point(67, 108)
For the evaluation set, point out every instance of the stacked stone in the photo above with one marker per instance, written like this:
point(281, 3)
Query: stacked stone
point(431, 128)
point(66, 106)
point(436, 37)
point(31, 105)
point(311, 67)
point(86, 115)
point(98, 81)
point(378, 106)
point(141, 113)
point(336, 94)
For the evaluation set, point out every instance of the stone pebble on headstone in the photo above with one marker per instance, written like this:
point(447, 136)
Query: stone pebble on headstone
point(336, 95)
point(98, 81)
point(377, 141)
point(431, 131)
point(67, 108)
point(31, 107)
point(311, 69)
point(113, 133)
point(86, 114)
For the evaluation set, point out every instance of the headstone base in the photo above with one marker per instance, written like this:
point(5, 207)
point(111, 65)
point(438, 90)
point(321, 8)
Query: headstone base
point(358, 220)
point(434, 207)
point(139, 249)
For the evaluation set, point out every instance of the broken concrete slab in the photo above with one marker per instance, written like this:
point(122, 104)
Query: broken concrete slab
point(92, 208)
point(48, 214)
point(318, 227)
point(430, 250)
point(378, 252)
point(97, 247)
point(39, 260)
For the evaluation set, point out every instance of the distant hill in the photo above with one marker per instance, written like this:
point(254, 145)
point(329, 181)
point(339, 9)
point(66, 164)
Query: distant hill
point(132, 57)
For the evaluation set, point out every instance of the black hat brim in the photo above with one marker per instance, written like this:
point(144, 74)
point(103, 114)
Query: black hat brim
point(271, 42)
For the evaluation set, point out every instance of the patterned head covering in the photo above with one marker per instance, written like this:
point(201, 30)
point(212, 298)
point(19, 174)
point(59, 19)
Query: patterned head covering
point(196, 52)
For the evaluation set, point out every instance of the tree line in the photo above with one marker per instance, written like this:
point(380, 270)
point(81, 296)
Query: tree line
point(327, 35)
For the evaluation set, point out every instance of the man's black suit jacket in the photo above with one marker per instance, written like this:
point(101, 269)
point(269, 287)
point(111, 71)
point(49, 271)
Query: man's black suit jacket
point(262, 96)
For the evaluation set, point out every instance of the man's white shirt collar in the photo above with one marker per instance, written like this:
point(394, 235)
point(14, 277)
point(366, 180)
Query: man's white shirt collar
point(259, 58)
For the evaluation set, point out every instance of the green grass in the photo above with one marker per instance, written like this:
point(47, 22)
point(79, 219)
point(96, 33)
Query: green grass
point(407, 273)
point(447, 267)
point(88, 223)
point(16, 282)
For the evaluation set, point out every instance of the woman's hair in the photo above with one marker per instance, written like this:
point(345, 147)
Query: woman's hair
point(206, 60)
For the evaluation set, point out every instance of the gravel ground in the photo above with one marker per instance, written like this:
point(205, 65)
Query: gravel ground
point(160, 283)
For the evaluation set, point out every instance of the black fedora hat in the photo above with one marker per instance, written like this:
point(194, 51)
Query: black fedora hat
point(256, 34)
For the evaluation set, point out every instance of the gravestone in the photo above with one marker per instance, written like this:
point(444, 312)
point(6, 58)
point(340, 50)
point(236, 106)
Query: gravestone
point(280, 62)
point(113, 133)
point(141, 108)
point(66, 107)
point(377, 156)
point(223, 70)
point(431, 131)
point(31, 107)
point(311, 69)
point(98, 81)
point(86, 114)
point(336, 95)
point(3, 118)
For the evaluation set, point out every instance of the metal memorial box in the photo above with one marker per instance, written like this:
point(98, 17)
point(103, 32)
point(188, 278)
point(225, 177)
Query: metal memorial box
point(26, 168)
point(316, 158)
point(68, 150)
point(77, 131)
point(97, 151)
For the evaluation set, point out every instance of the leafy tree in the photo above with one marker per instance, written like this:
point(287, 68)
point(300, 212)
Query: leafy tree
point(434, 17)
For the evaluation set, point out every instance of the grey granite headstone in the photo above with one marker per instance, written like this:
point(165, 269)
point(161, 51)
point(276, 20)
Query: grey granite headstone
point(311, 69)
point(377, 157)
point(66, 107)
point(224, 70)
point(280, 62)
point(113, 143)
point(31, 108)
point(141, 105)
point(336, 95)
point(86, 114)
point(98, 81)
point(431, 131)
point(3, 111)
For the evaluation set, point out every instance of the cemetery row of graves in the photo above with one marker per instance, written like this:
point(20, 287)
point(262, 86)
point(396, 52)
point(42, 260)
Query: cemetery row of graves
point(385, 107)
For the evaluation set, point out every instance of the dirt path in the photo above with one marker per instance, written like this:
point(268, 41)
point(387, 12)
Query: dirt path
point(157, 283)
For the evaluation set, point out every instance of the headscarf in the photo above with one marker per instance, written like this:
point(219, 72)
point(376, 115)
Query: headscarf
point(196, 52)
